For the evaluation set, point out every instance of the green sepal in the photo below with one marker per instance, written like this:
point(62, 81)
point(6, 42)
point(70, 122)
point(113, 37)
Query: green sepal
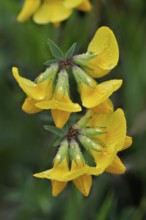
point(54, 130)
point(89, 144)
point(49, 73)
point(62, 82)
point(49, 62)
point(81, 76)
point(55, 50)
point(58, 141)
point(82, 59)
point(83, 121)
point(71, 50)
point(74, 151)
point(62, 151)
point(91, 132)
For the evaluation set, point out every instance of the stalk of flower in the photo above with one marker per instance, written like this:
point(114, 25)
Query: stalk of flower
point(41, 89)
point(61, 105)
point(91, 93)
point(105, 48)
point(51, 11)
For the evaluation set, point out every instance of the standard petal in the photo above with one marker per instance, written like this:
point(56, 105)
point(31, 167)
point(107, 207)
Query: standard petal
point(57, 187)
point(83, 184)
point(104, 45)
point(51, 11)
point(29, 8)
point(60, 117)
point(93, 96)
point(72, 3)
point(116, 167)
point(85, 6)
point(105, 107)
point(127, 143)
point(36, 91)
point(29, 106)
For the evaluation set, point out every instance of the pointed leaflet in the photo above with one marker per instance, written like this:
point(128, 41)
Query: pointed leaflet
point(54, 130)
point(71, 50)
point(55, 50)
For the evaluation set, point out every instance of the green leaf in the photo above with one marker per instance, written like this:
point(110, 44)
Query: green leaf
point(71, 50)
point(53, 129)
point(49, 62)
point(55, 50)
point(58, 142)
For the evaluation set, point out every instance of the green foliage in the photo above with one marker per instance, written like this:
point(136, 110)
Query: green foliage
point(26, 148)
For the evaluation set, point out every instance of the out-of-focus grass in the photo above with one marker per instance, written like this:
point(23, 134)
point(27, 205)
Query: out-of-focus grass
point(25, 146)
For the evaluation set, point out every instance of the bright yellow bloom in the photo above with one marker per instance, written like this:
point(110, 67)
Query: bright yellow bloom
point(41, 89)
point(53, 11)
point(104, 46)
point(91, 93)
point(61, 105)
point(103, 135)
point(60, 173)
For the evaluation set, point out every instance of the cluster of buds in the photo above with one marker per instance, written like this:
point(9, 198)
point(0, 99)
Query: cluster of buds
point(101, 132)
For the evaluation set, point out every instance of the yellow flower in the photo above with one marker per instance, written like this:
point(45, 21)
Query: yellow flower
point(41, 89)
point(104, 147)
point(103, 135)
point(61, 105)
point(104, 46)
point(91, 93)
point(60, 173)
point(53, 11)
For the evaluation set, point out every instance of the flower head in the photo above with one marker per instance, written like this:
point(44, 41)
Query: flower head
point(51, 11)
point(100, 134)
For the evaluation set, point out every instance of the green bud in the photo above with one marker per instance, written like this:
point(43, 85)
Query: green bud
point(81, 76)
point(62, 151)
point(91, 132)
point(49, 73)
point(82, 59)
point(90, 144)
point(75, 152)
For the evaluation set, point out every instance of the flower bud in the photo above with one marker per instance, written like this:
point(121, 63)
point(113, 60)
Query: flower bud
point(82, 59)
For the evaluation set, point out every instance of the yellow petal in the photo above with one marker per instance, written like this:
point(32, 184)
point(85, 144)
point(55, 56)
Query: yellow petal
point(35, 91)
point(102, 160)
point(83, 184)
point(116, 167)
point(72, 3)
point(115, 124)
point(85, 6)
point(57, 187)
point(58, 172)
point(29, 8)
point(29, 106)
point(104, 45)
point(51, 11)
point(128, 142)
point(93, 96)
point(60, 117)
point(105, 107)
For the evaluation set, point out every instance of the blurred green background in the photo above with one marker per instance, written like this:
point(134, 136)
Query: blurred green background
point(25, 148)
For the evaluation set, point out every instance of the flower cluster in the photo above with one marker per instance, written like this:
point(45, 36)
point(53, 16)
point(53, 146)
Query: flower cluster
point(91, 145)
point(48, 93)
point(101, 133)
point(51, 11)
